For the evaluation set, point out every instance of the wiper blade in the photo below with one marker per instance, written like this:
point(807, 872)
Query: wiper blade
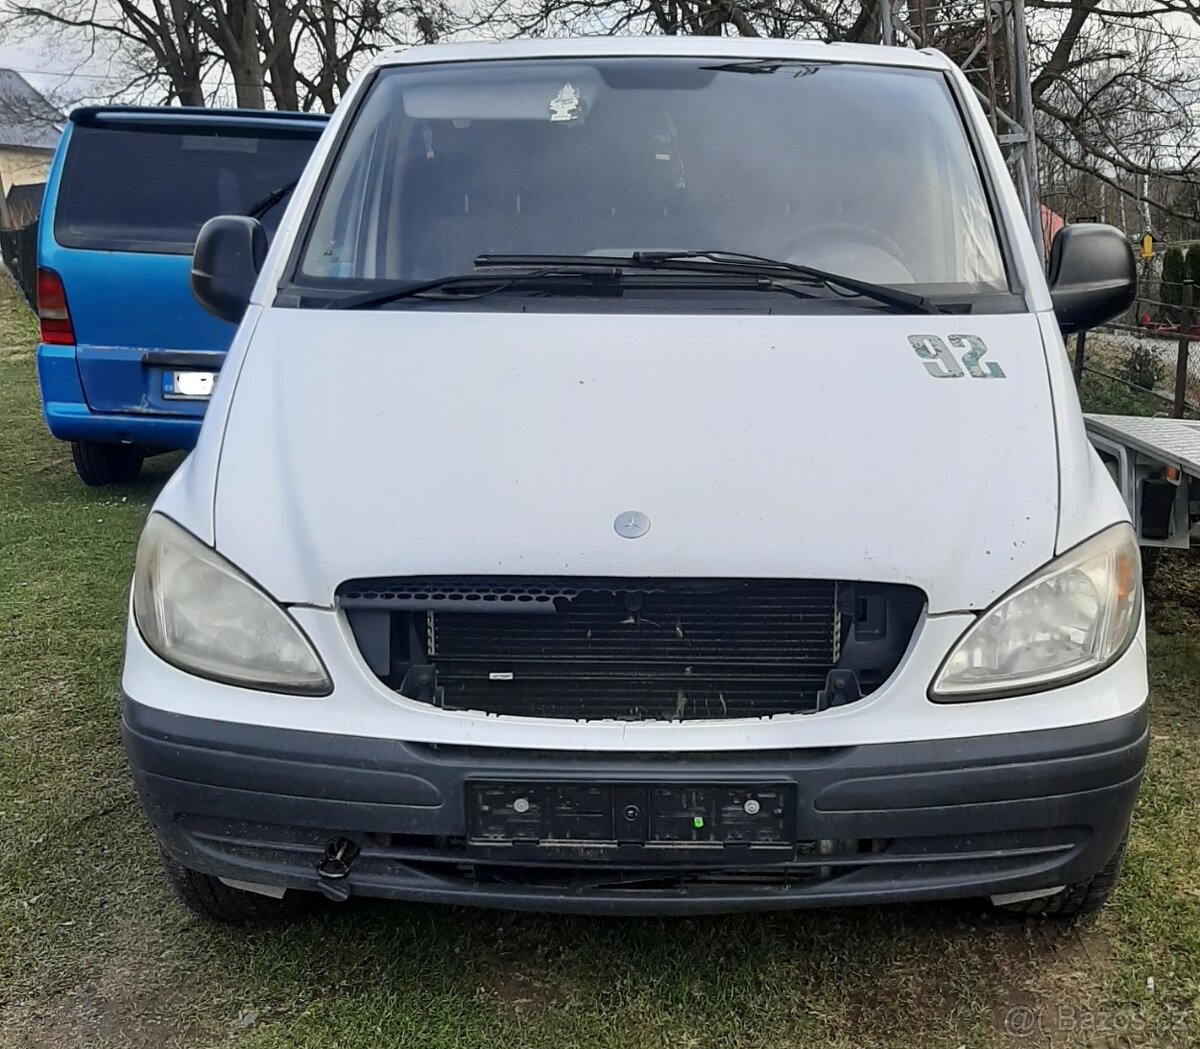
point(483, 283)
point(728, 262)
point(591, 276)
point(882, 293)
point(265, 203)
point(803, 67)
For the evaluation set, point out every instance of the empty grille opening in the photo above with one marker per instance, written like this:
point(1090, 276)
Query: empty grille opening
point(631, 649)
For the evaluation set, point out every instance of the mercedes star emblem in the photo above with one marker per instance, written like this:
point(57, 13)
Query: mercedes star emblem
point(632, 524)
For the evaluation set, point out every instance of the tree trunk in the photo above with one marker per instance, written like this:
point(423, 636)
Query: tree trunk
point(278, 47)
point(232, 25)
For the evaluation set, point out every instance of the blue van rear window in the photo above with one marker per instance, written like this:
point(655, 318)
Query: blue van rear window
point(140, 189)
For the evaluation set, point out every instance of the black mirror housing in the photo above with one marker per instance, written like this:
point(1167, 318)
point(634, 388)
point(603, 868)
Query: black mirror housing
point(229, 252)
point(1093, 276)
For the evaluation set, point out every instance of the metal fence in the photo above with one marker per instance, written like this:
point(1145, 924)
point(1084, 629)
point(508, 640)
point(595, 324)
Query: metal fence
point(1142, 363)
point(18, 248)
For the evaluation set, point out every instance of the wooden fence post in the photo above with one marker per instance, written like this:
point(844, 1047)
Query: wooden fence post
point(1186, 320)
point(1079, 347)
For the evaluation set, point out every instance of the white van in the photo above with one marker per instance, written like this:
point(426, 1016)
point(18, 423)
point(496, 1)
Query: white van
point(647, 478)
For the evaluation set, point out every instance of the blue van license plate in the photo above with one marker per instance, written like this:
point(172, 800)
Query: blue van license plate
point(189, 385)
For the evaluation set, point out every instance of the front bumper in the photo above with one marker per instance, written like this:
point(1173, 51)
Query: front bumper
point(874, 824)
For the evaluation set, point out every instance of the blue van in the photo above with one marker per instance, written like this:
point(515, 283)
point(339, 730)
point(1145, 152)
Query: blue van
point(127, 358)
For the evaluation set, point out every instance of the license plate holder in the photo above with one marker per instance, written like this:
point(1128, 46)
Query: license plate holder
point(648, 814)
point(188, 385)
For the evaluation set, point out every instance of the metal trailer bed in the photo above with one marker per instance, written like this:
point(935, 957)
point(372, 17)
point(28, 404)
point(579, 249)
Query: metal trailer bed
point(1156, 464)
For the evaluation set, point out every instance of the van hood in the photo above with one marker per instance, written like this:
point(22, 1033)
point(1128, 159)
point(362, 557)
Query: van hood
point(445, 442)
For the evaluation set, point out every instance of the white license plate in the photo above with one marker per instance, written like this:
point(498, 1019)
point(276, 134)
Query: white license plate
point(189, 385)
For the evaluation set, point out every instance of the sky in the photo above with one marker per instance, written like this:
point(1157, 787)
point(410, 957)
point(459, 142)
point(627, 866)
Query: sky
point(65, 77)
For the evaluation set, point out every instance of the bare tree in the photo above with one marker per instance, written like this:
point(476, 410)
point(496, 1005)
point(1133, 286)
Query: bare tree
point(295, 54)
point(160, 43)
point(1112, 82)
point(233, 28)
point(1117, 121)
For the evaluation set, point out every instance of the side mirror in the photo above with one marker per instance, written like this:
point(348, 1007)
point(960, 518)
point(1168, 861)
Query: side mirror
point(1093, 276)
point(228, 254)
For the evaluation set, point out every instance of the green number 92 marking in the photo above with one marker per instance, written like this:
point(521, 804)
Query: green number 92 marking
point(942, 363)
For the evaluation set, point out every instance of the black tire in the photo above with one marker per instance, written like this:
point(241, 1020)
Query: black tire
point(210, 898)
point(1078, 900)
point(103, 464)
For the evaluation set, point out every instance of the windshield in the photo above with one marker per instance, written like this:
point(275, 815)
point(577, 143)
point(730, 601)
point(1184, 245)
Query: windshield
point(858, 170)
point(183, 178)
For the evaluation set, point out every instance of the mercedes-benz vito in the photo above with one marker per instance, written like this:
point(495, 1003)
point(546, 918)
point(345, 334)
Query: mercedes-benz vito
point(646, 478)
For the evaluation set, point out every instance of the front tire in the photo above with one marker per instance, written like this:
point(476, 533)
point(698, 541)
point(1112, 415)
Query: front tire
point(212, 899)
point(99, 465)
point(1078, 900)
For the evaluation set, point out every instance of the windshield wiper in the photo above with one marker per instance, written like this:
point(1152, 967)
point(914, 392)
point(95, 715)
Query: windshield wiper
point(803, 67)
point(728, 262)
point(590, 277)
point(477, 285)
point(882, 293)
point(264, 204)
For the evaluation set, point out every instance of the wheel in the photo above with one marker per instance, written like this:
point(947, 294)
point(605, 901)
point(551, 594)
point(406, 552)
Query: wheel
point(1078, 900)
point(211, 898)
point(102, 464)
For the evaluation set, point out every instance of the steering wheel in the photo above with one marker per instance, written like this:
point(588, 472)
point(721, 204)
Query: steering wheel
point(817, 243)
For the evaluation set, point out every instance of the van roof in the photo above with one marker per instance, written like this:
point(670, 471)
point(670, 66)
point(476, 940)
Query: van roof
point(665, 46)
point(193, 117)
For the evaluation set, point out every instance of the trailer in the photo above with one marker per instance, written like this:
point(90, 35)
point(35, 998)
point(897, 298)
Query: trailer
point(1156, 465)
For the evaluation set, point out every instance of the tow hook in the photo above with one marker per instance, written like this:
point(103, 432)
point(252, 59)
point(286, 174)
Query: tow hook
point(334, 867)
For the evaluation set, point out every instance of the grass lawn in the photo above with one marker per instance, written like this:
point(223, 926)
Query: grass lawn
point(95, 952)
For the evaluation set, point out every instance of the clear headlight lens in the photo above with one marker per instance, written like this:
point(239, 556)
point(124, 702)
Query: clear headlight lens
point(200, 613)
point(1069, 619)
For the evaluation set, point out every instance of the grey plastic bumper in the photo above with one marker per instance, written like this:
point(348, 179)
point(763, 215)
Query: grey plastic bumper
point(876, 823)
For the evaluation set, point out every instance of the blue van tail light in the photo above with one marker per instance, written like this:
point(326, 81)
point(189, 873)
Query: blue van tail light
point(53, 313)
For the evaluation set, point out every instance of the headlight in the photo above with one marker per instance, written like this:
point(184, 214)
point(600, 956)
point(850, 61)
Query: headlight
point(1068, 620)
point(199, 612)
